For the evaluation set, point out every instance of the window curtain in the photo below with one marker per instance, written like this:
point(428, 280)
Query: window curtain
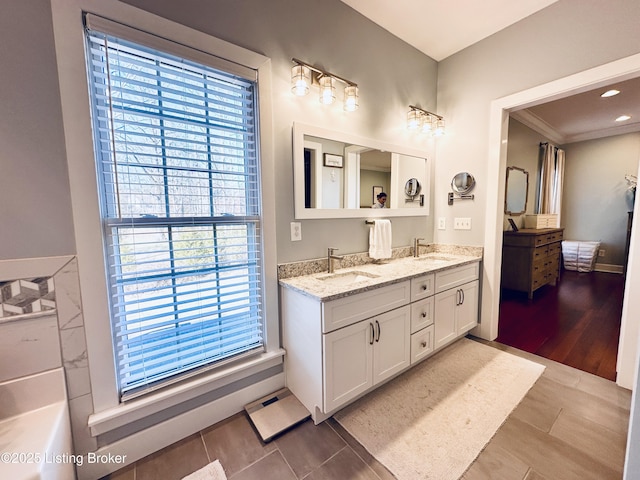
point(551, 180)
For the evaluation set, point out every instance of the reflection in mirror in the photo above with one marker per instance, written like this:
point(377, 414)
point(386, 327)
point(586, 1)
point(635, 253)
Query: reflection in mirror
point(412, 188)
point(517, 189)
point(463, 182)
point(335, 175)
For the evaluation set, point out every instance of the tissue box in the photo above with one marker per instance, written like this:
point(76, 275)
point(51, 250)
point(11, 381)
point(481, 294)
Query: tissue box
point(541, 220)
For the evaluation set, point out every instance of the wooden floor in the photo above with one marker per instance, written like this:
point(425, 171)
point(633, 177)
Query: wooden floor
point(571, 425)
point(576, 323)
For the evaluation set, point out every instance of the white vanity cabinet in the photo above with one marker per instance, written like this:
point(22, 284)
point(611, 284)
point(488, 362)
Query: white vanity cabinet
point(456, 303)
point(340, 348)
point(362, 355)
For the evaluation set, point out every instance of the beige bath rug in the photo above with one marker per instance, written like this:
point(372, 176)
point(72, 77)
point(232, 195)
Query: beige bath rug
point(213, 471)
point(434, 420)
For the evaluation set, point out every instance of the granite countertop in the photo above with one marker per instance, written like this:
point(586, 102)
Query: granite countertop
point(348, 281)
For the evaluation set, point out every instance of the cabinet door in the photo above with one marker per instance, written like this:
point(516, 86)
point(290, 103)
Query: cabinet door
point(392, 345)
point(348, 363)
point(467, 310)
point(445, 317)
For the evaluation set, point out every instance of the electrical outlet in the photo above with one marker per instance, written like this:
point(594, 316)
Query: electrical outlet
point(296, 231)
point(602, 252)
point(442, 223)
point(462, 223)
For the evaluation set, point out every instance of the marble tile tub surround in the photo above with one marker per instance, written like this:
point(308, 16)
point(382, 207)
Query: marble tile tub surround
point(307, 276)
point(60, 334)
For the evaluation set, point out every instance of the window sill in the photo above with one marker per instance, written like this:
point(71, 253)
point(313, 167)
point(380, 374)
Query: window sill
point(134, 410)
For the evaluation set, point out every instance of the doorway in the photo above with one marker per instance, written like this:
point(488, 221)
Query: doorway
point(597, 77)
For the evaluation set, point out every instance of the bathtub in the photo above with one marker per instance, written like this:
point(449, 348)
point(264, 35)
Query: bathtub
point(35, 432)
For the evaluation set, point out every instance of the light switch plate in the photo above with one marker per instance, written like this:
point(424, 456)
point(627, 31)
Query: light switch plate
point(462, 223)
point(442, 223)
point(296, 231)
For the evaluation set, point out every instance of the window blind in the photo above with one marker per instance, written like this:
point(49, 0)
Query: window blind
point(176, 154)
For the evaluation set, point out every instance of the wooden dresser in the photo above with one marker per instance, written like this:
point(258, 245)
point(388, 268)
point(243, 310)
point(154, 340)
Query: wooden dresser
point(531, 258)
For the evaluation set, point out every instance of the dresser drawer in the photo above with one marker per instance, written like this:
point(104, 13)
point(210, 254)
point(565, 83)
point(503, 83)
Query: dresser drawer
point(540, 252)
point(422, 314)
point(548, 238)
point(554, 249)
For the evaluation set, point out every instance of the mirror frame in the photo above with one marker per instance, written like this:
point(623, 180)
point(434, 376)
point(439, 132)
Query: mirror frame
point(300, 212)
point(506, 192)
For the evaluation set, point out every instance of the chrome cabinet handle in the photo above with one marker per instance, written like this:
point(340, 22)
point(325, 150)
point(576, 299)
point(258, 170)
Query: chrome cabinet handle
point(372, 333)
point(423, 344)
point(424, 314)
point(378, 325)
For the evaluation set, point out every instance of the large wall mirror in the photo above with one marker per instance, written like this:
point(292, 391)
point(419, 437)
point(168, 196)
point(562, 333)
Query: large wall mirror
point(517, 189)
point(338, 175)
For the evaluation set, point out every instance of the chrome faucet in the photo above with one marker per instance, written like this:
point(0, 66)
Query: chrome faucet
point(417, 245)
point(331, 257)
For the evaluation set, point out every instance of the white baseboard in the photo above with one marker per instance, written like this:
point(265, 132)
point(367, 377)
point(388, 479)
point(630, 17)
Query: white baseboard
point(155, 438)
point(608, 268)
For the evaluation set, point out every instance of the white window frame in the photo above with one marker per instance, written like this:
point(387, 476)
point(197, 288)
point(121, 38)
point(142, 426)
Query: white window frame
point(70, 44)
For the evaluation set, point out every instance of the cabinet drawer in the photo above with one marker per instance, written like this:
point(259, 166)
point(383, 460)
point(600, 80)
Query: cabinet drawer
point(347, 310)
point(422, 287)
point(421, 344)
point(540, 252)
point(548, 238)
point(421, 314)
point(456, 276)
point(554, 249)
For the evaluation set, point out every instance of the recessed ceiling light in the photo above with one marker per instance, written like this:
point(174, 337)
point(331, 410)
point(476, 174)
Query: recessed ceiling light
point(610, 93)
point(623, 118)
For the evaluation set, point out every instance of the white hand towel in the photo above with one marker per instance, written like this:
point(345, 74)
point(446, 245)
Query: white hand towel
point(213, 471)
point(380, 239)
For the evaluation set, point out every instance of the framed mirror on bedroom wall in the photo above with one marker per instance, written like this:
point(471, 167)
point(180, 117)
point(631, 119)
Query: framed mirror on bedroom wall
point(517, 190)
point(338, 175)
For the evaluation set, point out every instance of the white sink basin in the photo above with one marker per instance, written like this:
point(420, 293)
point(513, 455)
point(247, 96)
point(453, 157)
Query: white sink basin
point(347, 278)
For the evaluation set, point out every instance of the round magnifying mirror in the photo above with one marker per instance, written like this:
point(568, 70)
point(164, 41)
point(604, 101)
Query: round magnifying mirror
point(412, 187)
point(463, 182)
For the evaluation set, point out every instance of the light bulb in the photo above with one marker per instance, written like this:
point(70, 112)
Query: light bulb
point(350, 98)
point(300, 79)
point(327, 90)
point(414, 120)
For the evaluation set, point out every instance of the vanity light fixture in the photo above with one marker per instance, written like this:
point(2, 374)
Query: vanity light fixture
point(426, 122)
point(304, 75)
point(623, 118)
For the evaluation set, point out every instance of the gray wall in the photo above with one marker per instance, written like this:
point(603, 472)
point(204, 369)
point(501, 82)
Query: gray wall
point(329, 34)
point(596, 200)
point(35, 203)
point(523, 151)
point(567, 37)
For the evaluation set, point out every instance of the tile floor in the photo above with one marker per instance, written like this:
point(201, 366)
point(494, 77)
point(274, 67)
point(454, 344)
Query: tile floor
point(571, 425)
